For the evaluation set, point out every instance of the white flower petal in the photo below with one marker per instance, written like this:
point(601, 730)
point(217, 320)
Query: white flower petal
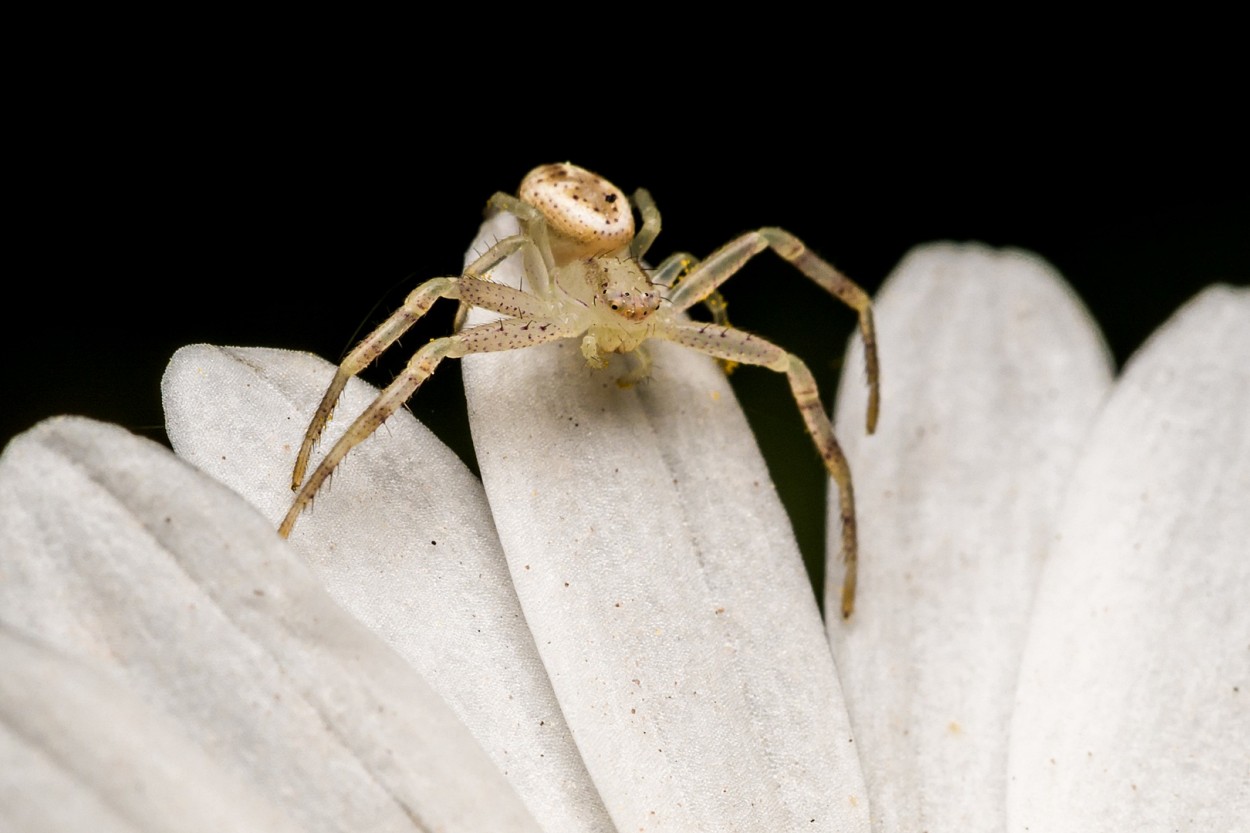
point(991, 375)
point(118, 553)
point(78, 752)
point(660, 577)
point(1135, 691)
point(403, 539)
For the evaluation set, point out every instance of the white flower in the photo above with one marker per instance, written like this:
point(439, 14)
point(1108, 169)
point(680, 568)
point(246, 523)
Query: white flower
point(1051, 631)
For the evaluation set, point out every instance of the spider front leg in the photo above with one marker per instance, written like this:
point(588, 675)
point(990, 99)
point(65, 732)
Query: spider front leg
point(728, 344)
point(534, 229)
point(728, 259)
point(650, 229)
point(415, 306)
point(675, 268)
point(507, 334)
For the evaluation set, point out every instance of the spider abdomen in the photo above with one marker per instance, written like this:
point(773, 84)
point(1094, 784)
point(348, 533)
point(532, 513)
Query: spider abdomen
point(586, 214)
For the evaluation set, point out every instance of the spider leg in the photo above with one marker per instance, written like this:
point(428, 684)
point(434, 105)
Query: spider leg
point(728, 344)
point(719, 307)
point(673, 268)
point(539, 262)
point(415, 305)
point(534, 225)
point(728, 259)
point(506, 334)
point(534, 272)
point(650, 227)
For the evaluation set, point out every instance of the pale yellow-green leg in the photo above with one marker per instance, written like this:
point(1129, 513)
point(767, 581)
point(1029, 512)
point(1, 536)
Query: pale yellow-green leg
point(675, 265)
point(719, 307)
point(736, 345)
point(534, 272)
point(728, 259)
point(673, 268)
point(537, 258)
point(534, 226)
point(650, 227)
point(508, 334)
point(414, 307)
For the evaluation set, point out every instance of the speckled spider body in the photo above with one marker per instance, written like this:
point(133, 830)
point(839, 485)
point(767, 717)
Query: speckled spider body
point(584, 279)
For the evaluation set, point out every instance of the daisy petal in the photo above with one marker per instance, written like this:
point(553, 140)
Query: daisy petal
point(992, 373)
point(402, 538)
point(660, 577)
point(1135, 691)
point(118, 553)
point(78, 751)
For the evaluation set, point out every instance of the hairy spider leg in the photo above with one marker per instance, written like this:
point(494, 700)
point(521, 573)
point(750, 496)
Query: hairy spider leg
point(728, 259)
point(673, 268)
point(728, 344)
point(537, 261)
point(415, 305)
point(677, 266)
point(505, 334)
point(650, 228)
point(533, 228)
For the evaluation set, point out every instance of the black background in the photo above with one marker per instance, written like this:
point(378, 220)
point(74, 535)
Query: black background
point(295, 211)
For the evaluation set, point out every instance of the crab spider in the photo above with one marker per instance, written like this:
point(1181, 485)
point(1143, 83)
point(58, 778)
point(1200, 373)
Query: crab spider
point(582, 261)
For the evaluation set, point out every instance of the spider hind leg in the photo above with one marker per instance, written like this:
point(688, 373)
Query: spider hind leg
point(728, 344)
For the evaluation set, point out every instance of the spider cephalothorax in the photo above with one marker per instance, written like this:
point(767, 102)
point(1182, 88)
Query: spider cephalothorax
point(583, 279)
